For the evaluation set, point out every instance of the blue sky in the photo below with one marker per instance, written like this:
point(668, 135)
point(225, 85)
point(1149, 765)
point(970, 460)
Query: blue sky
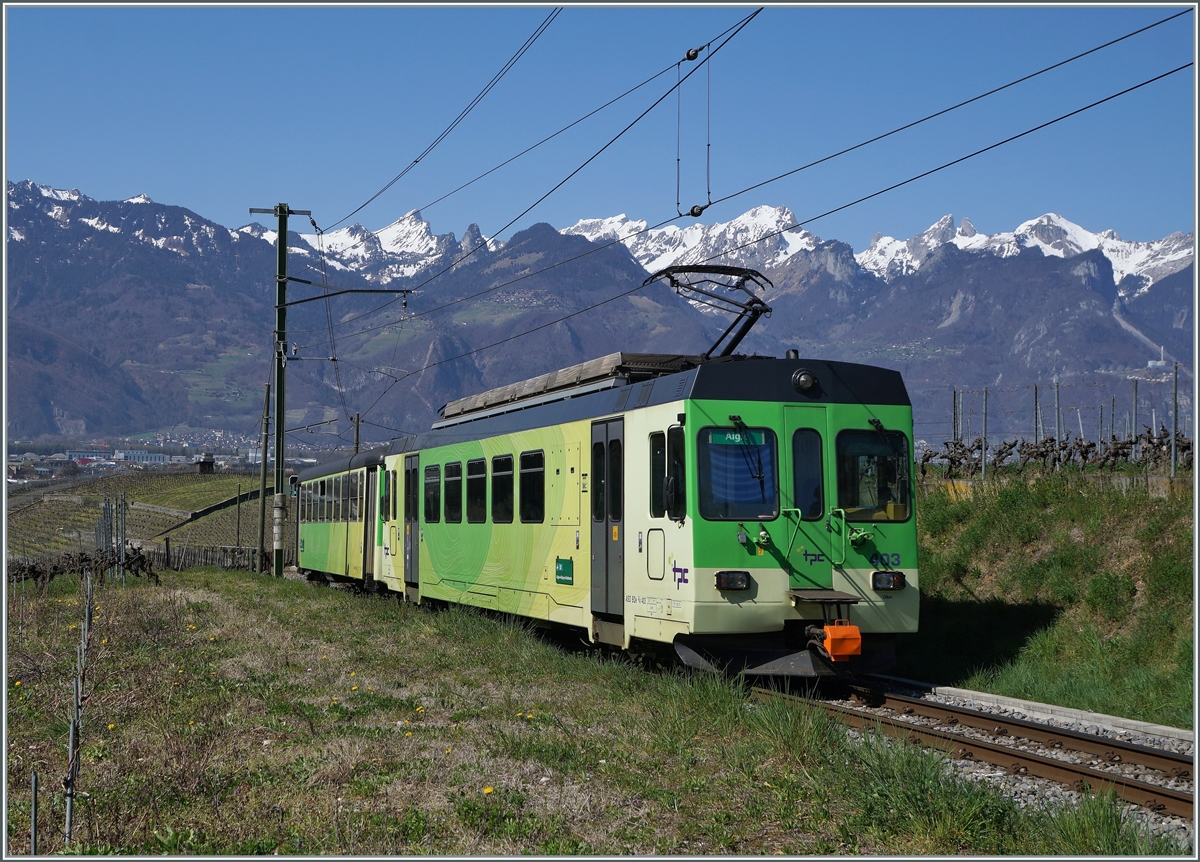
point(220, 109)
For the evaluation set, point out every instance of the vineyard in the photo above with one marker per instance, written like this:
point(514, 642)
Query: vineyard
point(52, 524)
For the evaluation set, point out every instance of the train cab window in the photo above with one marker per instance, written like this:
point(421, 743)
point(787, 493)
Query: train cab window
point(477, 491)
point(433, 494)
point(598, 477)
point(675, 487)
point(614, 490)
point(453, 491)
point(658, 473)
point(533, 487)
point(502, 489)
point(807, 483)
point(873, 475)
point(738, 475)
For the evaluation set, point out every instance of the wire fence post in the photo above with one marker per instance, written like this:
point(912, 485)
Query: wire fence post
point(1037, 417)
point(1175, 421)
point(985, 446)
point(1057, 427)
point(33, 814)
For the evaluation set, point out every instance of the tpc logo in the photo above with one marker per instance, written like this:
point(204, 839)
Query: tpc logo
point(680, 575)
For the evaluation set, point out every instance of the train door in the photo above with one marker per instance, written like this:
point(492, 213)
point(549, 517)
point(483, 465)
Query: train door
point(807, 497)
point(370, 527)
point(608, 501)
point(412, 528)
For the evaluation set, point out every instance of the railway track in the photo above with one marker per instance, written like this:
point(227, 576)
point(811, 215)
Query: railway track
point(1135, 773)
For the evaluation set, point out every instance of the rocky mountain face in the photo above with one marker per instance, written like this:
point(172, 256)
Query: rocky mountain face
point(130, 315)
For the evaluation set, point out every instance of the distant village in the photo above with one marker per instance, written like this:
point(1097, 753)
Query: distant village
point(31, 466)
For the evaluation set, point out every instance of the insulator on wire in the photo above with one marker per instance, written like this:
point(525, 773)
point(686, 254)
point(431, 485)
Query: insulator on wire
point(692, 54)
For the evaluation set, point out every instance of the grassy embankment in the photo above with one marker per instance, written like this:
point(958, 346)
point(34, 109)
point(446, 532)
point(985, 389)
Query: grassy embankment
point(233, 713)
point(1059, 591)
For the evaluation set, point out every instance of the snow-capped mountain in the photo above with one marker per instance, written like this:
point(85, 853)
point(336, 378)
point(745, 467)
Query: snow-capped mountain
point(732, 243)
point(403, 249)
point(1053, 235)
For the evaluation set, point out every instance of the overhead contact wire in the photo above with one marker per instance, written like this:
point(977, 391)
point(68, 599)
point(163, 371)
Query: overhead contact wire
point(806, 221)
point(462, 115)
point(947, 164)
point(880, 137)
point(962, 104)
point(737, 28)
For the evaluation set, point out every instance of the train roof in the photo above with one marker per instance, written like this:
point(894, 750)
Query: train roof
point(621, 382)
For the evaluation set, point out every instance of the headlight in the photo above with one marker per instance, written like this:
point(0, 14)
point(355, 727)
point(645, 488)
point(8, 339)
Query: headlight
point(733, 580)
point(884, 581)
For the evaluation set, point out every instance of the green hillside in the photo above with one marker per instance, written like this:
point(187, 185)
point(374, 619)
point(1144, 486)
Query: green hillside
point(1061, 591)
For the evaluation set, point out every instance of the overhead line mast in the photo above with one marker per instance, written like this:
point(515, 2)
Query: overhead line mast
point(281, 212)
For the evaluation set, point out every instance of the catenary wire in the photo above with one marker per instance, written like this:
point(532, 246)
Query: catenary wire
point(944, 166)
point(792, 227)
point(544, 140)
point(839, 153)
point(462, 115)
point(954, 107)
point(732, 32)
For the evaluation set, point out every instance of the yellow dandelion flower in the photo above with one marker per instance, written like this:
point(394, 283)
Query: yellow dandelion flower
point(487, 790)
point(104, 640)
point(18, 682)
point(351, 673)
point(354, 688)
point(181, 670)
point(191, 722)
point(408, 733)
point(420, 709)
point(112, 727)
point(212, 639)
point(447, 751)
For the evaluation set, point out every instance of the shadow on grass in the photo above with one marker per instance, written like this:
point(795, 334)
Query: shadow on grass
point(958, 637)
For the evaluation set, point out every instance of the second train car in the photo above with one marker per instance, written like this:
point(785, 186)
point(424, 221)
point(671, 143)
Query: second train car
point(754, 513)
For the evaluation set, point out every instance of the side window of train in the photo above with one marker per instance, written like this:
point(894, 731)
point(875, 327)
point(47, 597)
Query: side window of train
point(809, 485)
point(355, 485)
point(433, 494)
point(337, 498)
point(615, 474)
point(675, 488)
point(454, 493)
point(598, 481)
point(502, 489)
point(533, 487)
point(477, 491)
point(395, 496)
point(321, 498)
point(658, 473)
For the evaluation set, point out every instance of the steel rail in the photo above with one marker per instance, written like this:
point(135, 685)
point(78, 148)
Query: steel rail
point(1109, 750)
point(1077, 776)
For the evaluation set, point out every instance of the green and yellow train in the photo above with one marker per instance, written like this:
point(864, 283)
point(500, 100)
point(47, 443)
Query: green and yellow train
point(755, 513)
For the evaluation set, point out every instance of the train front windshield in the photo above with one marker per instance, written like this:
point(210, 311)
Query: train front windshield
point(738, 474)
point(873, 475)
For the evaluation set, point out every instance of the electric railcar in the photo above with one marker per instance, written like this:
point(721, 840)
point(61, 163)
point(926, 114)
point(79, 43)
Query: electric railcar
point(755, 513)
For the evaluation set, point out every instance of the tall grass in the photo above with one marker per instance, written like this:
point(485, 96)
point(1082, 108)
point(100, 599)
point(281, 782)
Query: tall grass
point(234, 714)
